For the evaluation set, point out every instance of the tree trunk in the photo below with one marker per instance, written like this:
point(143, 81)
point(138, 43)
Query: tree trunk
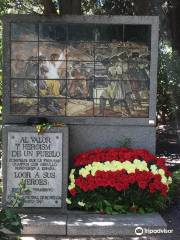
point(76, 7)
point(65, 7)
point(70, 7)
point(142, 7)
point(174, 17)
point(49, 7)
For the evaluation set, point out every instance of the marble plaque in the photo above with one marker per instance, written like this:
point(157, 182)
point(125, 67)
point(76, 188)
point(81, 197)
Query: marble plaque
point(38, 160)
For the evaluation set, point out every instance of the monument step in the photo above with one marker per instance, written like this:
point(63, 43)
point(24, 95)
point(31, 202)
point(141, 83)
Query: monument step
point(44, 224)
point(81, 238)
point(91, 225)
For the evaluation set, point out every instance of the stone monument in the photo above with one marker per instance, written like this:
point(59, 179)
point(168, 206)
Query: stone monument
point(97, 74)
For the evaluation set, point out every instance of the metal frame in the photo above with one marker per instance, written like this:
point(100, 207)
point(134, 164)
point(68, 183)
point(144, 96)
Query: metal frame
point(153, 21)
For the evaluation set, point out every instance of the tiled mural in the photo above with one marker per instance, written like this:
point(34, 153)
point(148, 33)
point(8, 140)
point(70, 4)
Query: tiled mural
point(80, 70)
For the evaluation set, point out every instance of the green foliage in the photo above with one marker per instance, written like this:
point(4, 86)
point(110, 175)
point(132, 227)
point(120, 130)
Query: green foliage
point(108, 200)
point(119, 7)
point(168, 101)
point(20, 6)
point(1, 189)
point(176, 176)
point(176, 184)
point(1, 79)
point(9, 219)
point(1, 54)
point(17, 199)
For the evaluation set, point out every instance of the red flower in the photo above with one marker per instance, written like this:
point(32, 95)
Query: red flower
point(119, 187)
point(164, 193)
point(132, 178)
point(157, 177)
point(142, 185)
point(120, 180)
point(73, 192)
point(119, 154)
point(152, 188)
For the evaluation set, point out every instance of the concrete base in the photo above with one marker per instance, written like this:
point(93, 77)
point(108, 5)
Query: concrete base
point(76, 224)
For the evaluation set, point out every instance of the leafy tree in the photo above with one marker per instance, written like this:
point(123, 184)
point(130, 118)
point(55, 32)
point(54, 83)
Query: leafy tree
point(49, 7)
point(168, 104)
point(45, 7)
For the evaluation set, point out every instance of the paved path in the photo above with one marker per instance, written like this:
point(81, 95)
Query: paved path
point(109, 238)
point(171, 216)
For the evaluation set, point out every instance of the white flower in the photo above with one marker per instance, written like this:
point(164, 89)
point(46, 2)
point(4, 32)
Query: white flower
point(88, 167)
point(84, 172)
point(82, 204)
point(154, 169)
point(169, 180)
point(71, 176)
point(128, 166)
point(71, 186)
point(137, 162)
point(93, 171)
point(161, 172)
point(164, 180)
point(68, 201)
